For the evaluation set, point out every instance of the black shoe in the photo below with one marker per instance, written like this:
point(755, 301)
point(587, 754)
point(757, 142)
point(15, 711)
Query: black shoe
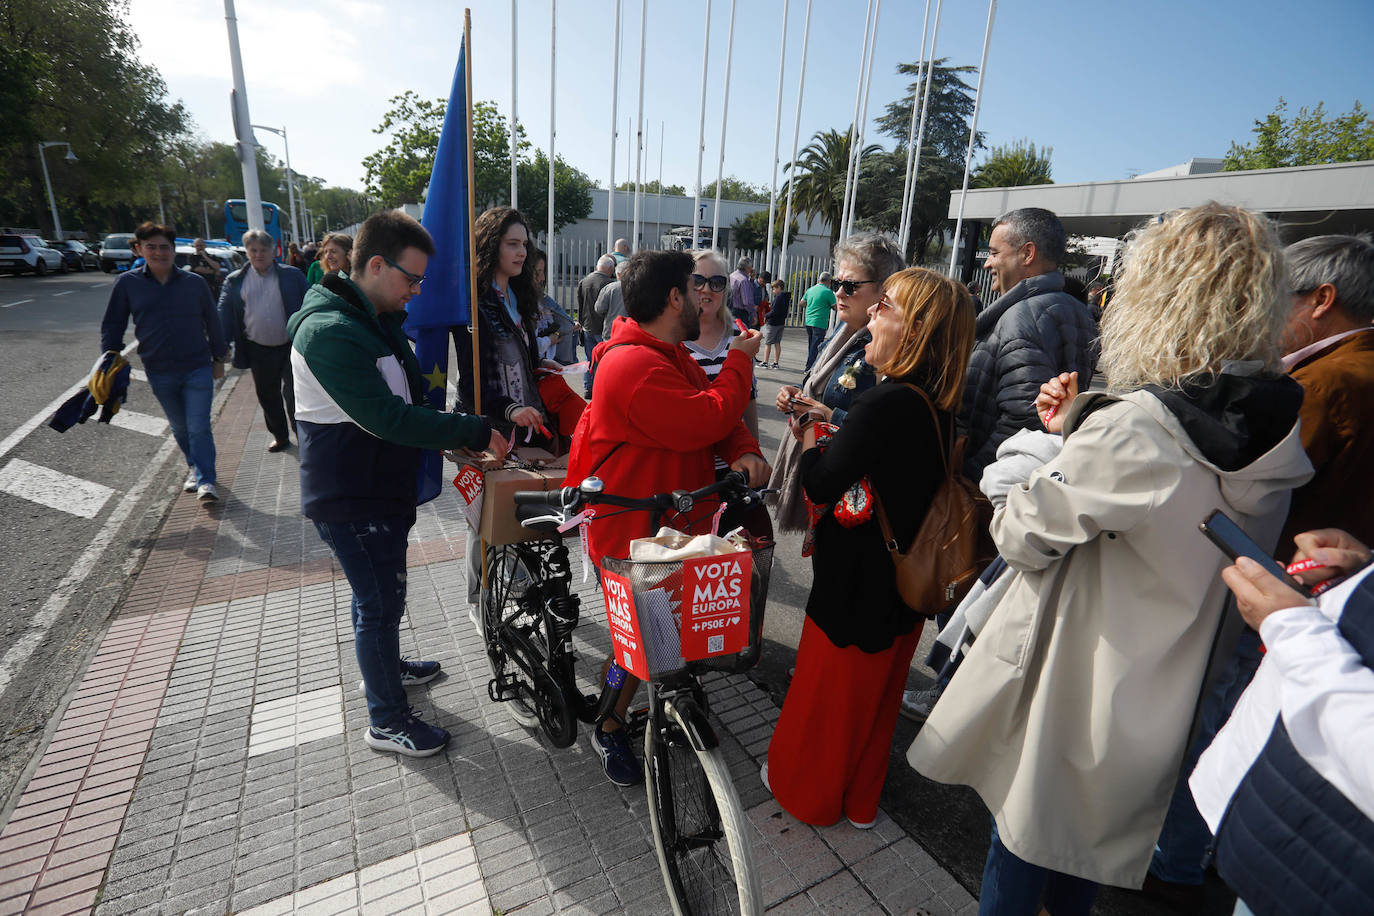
point(620, 763)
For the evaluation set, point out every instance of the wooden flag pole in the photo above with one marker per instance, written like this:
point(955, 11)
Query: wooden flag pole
point(473, 320)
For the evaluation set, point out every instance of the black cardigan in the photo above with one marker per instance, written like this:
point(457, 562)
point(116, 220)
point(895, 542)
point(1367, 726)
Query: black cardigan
point(887, 436)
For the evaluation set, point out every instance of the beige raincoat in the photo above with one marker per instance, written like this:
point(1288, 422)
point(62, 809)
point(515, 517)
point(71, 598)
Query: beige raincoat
point(1070, 713)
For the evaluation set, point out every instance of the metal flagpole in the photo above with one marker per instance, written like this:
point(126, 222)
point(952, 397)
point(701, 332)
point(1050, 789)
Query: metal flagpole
point(925, 110)
point(911, 129)
point(514, 176)
point(863, 119)
point(658, 212)
point(639, 124)
point(972, 135)
point(796, 134)
point(724, 117)
point(553, 129)
point(777, 135)
point(701, 130)
point(854, 126)
point(615, 96)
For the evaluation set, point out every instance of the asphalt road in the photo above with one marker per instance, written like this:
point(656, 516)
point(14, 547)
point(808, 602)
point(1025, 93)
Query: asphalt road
point(92, 497)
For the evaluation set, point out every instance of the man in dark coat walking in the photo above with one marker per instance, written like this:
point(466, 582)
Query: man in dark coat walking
point(1034, 331)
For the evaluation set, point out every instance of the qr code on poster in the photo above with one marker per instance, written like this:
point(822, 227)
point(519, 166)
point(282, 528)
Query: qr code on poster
point(715, 643)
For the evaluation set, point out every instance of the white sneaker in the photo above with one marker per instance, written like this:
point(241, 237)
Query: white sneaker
point(917, 704)
point(763, 777)
point(192, 482)
point(207, 493)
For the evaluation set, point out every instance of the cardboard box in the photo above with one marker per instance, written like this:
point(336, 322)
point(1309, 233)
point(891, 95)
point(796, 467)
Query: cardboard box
point(499, 525)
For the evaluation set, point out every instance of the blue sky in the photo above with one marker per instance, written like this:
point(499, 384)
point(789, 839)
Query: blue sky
point(1114, 88)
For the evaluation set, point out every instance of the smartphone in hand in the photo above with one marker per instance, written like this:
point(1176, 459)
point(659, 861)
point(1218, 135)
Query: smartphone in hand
point(1234, 542)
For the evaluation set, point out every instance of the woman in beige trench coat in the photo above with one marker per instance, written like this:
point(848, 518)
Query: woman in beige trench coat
point(1070, 713)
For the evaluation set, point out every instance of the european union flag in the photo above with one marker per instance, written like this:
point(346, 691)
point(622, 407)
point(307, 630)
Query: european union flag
point(444, 299)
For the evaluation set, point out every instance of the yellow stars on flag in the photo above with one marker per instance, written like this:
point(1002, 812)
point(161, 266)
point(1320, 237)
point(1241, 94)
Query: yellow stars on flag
point(437, 379)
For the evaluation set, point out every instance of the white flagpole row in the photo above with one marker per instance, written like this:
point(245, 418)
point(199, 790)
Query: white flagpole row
point(854, 125)
point(514, 197)
point(701, 130)
point(639, 125)
point(972, 136)
point(658, 214)
point(863, 119)
point(911, 130)
point(724, 119)
point(553, 130)
point(796, 134)
point(777, 135)
point(615, 116)
point(925, 110)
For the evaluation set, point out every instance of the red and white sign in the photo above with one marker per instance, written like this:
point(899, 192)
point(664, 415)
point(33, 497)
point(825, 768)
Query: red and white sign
point(469, 484)
point(627, 645)
point(715, 598)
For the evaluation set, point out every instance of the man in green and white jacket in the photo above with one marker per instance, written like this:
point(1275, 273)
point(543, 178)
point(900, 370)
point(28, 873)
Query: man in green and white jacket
point(362, 425)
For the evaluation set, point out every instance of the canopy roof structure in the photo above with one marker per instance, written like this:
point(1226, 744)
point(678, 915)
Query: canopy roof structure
point(1306, 200)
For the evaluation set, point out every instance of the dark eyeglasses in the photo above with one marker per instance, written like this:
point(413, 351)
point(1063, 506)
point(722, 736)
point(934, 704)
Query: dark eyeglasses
point(415, 281)
point(848, 286)
point(717, 283)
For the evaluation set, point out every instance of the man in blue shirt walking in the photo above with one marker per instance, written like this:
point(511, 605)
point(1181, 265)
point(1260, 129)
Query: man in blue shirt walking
point(181, 343)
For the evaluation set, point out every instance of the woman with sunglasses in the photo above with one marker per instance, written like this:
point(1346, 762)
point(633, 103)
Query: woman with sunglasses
point(828, 756)
point(863, 262)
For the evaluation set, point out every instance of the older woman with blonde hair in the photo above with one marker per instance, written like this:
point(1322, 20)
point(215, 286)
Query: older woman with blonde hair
point(828, 756)
point(1071, 712)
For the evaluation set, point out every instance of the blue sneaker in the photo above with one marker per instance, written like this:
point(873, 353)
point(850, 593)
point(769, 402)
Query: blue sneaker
point(622, 766)
point(407, 735)
point(414, 674)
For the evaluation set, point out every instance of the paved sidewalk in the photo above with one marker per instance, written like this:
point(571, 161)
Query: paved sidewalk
point(210, 759)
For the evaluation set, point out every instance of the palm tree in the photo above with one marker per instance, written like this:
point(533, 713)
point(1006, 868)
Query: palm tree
point(818, 177)
point(1014, 165)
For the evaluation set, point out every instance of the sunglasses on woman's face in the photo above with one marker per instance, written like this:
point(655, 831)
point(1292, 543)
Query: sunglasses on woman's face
point(717, 283)
point(848, 286)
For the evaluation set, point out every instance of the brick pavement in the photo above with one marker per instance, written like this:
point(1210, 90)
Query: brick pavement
point(210, 759)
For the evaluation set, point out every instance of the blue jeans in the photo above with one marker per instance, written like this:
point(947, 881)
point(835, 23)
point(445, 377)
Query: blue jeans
point(185, 398)
point(814, 337)
point(1183, 841)
point(372, 555)
point(1013, 887)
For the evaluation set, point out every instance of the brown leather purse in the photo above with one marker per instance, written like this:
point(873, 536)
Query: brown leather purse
point(952, 546)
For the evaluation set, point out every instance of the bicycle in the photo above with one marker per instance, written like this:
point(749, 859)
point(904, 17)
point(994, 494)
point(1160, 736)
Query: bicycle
point(529, 614)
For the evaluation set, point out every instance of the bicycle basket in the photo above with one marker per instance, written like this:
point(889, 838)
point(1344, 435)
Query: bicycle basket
point(677, 615)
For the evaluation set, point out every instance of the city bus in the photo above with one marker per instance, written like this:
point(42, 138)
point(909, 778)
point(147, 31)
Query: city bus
point(236, 222)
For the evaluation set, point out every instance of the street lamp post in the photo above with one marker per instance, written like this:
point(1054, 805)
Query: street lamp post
point(206, 210)
point(309, 223)
point(290, 188)
point(52, 201)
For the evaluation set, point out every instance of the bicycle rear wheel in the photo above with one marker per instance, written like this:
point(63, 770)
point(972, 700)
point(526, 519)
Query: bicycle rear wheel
point(700, 833)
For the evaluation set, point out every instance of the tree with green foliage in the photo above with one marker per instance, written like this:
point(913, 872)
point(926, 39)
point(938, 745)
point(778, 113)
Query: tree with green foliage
point(942, 156)
point(818, 177)
point(653, 187)
point(1017, 164)
point(572, 192)
point(1307, 138)
point(732, 188)
point(751, 231)
point(69, 71)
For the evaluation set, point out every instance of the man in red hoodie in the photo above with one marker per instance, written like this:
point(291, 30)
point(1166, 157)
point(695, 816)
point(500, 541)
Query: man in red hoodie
point(656, 425)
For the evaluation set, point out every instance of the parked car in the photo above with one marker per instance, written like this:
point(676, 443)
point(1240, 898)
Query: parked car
point(75, 254)
point(19, 253)
point(116, 252)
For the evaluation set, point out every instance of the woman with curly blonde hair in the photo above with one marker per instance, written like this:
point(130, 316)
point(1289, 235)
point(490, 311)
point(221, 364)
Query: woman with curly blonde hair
point(1071, 712)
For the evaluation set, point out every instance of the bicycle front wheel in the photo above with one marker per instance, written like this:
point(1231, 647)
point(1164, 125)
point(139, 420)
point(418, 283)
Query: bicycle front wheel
point(700, 833)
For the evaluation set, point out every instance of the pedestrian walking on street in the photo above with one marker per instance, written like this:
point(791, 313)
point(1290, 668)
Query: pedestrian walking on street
point(828, 756)
point(363, 423)
point(181, 343)
point(773, 325)
point(255, 304)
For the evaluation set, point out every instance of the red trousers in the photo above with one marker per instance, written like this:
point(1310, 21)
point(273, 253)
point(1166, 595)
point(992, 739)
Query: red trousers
point(828, 757)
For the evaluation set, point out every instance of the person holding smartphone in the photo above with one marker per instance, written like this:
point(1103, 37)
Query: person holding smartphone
point(1287, 786)
point(1070, 715)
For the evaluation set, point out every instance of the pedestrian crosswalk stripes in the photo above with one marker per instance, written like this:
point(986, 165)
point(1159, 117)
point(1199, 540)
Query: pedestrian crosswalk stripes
point(53, 489)
point(140, 422)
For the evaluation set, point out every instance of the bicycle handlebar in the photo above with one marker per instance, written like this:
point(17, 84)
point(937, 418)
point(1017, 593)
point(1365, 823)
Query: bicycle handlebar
point(590, 493)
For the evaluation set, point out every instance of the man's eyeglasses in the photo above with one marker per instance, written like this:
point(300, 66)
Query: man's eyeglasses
point(415, 281)
point(848, 286)
point(717, 283)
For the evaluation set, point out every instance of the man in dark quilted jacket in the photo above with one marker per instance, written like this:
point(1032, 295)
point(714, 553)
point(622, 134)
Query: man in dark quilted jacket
point(1033, 331)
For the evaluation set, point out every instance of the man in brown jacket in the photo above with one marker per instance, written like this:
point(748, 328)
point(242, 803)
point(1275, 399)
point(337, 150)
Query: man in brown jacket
point(1330, 351)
